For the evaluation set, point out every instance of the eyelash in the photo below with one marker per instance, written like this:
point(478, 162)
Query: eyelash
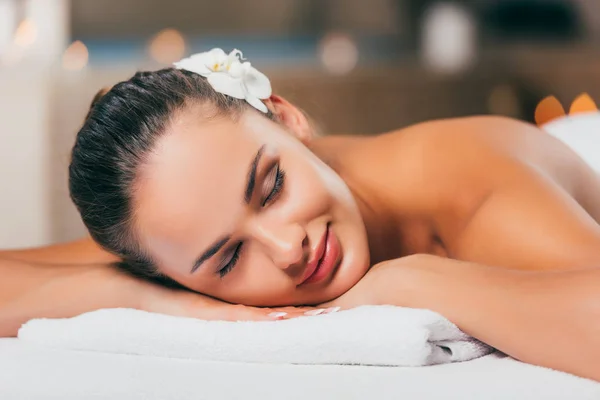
point(277, 186)
point(234, 259)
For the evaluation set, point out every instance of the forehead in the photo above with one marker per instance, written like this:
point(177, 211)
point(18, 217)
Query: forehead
point(192, 186)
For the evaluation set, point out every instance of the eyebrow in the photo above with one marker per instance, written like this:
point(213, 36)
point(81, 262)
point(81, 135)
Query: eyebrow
point(250, 183)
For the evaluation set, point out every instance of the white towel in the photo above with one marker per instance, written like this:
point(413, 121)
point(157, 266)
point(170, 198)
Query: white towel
point(368, 335)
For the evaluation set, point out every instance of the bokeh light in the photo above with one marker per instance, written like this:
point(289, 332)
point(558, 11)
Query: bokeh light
point(167, 46)
point(449, 35)
point(75, 57)
point(339, 53)
point(25, 34)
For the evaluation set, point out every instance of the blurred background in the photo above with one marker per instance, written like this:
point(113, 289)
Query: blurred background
point(356, 66)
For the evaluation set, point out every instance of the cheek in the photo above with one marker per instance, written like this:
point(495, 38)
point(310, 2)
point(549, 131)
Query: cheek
point(309, 189)
point(255, 281)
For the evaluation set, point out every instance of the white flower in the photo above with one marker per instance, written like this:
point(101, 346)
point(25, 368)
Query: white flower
point(231, 75)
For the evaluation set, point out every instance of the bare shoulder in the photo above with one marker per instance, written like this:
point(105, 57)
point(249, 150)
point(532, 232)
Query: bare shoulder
point(449, 167)
point(458, 160)
point(490, 149)
point(470, 139)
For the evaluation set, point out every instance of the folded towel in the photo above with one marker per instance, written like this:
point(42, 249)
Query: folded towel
point(368, 335)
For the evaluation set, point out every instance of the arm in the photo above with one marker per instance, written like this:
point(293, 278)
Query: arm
point(62, 280)
point(543, 306)
point(83, 251)
point(31, 291)
point(547, 318)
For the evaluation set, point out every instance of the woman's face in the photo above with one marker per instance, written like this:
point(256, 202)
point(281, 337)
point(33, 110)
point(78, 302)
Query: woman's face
point(243, 211)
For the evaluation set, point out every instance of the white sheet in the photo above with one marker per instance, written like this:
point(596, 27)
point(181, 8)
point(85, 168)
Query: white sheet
point(32, 373)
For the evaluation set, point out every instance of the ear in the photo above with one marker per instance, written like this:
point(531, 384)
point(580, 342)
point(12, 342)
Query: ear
point(291, 117)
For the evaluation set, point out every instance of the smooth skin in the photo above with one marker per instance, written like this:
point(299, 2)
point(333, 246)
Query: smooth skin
point(489, 221)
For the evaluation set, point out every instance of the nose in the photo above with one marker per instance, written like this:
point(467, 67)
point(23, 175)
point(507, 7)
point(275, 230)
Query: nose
point(287, 244)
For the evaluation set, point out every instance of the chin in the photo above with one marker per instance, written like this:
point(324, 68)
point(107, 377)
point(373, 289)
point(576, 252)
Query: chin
point(345, 278)
point(346, 283)
point(354, 266)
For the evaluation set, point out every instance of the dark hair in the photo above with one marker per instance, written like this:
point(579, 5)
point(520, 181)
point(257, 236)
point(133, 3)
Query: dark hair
point(120, 130)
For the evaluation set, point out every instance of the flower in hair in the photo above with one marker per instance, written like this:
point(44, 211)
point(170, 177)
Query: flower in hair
point(231, 75)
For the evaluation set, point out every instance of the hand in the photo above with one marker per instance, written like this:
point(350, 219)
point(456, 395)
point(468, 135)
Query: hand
point(178, 302)
point(393, 282)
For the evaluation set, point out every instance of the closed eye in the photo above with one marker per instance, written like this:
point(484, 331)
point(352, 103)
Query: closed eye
point(275, 182)
point(232, 261)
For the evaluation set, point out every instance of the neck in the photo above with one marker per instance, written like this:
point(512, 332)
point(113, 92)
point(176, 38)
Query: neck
point(345, 156)
point(381, 232)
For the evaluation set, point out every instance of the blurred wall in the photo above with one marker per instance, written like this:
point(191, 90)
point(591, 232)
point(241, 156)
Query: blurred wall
point(590, 11)
point(134, 18)
point(25, 135)
point(42, 105)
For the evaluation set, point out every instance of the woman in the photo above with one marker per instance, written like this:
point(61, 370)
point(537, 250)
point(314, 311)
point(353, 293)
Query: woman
point(199, 177)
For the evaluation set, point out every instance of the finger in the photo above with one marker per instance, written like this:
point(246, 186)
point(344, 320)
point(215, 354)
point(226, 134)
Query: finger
point(294, 309)
point(322, 311)
point(243, 313)
point(269, 314)
point(301, 309)
point(309, 312)
point(275, 314)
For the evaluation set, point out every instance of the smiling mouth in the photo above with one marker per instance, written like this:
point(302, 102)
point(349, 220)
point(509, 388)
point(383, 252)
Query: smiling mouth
point(328, 253)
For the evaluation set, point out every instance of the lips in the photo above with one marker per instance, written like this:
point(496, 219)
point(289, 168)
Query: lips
point(324, 260)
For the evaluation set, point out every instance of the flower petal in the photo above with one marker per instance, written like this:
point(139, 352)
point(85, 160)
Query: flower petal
point(236, 55)
point(218, 59)
point(192, 64)
point(217, 53)
point(230, 75)
point(256, 103)
point(224, 83)
point(236, 69)
point(204, 63)
point(257, 83)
